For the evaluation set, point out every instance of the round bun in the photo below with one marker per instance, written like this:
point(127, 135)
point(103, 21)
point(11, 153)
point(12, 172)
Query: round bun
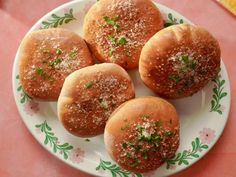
point(179, 60)
point(142, 133)
point(117, 30)
point(90, 95)
point(47, 57)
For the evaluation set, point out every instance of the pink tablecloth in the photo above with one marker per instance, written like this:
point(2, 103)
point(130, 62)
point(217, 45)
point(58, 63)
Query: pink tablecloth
point(22, 156)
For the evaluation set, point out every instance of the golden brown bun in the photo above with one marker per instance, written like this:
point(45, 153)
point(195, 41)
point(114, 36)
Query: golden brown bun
point(131, 21)
point(179, 60)
point(90, 95)
point(142, 133)
point(47, 57)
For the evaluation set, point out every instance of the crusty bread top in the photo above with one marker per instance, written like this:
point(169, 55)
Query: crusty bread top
point(181, 57)
point(136, 124)
point(90, 95)
point(47, 56)
point(116, 30)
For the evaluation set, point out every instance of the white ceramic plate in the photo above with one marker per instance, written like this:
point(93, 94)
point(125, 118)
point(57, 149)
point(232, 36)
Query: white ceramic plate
point(202, 116)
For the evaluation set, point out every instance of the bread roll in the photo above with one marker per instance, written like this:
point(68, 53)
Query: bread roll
point(90, 95)
point(117, 30)
point(142, 133)
point(47, 57)
point(179, 60)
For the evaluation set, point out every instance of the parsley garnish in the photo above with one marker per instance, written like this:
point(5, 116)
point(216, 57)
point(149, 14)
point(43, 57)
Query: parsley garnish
point(158, 123)
point(44, 75)
point(112, 22)
point(55, 62)
point(185, 58)
point(174, 78)
point(73, 53)
point(89, 84)
point(145, 154)
point(134, 163)
point(111, 51)
point(58, 51)
point(122, 41)
point(168, 133)
point(112, 39)
point(124, 145)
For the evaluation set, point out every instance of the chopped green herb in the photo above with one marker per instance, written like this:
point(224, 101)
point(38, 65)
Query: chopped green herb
point(124, 127)
point(112, 39)
point(89, 84)
point(58, 51)
point(134, 163)
point(124, 145)
point(116, 27)
point(111, 52)
point(156, 138)
point(158, 124)
point(87, 139)
point(128, 155)
point(112, 22)
point(140, 128)
point(145, 116)
point(73, 52)
point(33, 78)
point(185, 58)
point(174, 78)
point(137, 148)
point(44, 75)
point(55, 62)
point(39, 71)
point(145, 154)
point(193, 65)
point(168, 133)
point(122, 41)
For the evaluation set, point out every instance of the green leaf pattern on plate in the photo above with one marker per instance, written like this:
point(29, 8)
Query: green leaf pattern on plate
point(172, 21)
point(184, 157)
point(218, 94)
point(115, 169)
point(57, 20)
point(51, 139)
point(24, 96)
